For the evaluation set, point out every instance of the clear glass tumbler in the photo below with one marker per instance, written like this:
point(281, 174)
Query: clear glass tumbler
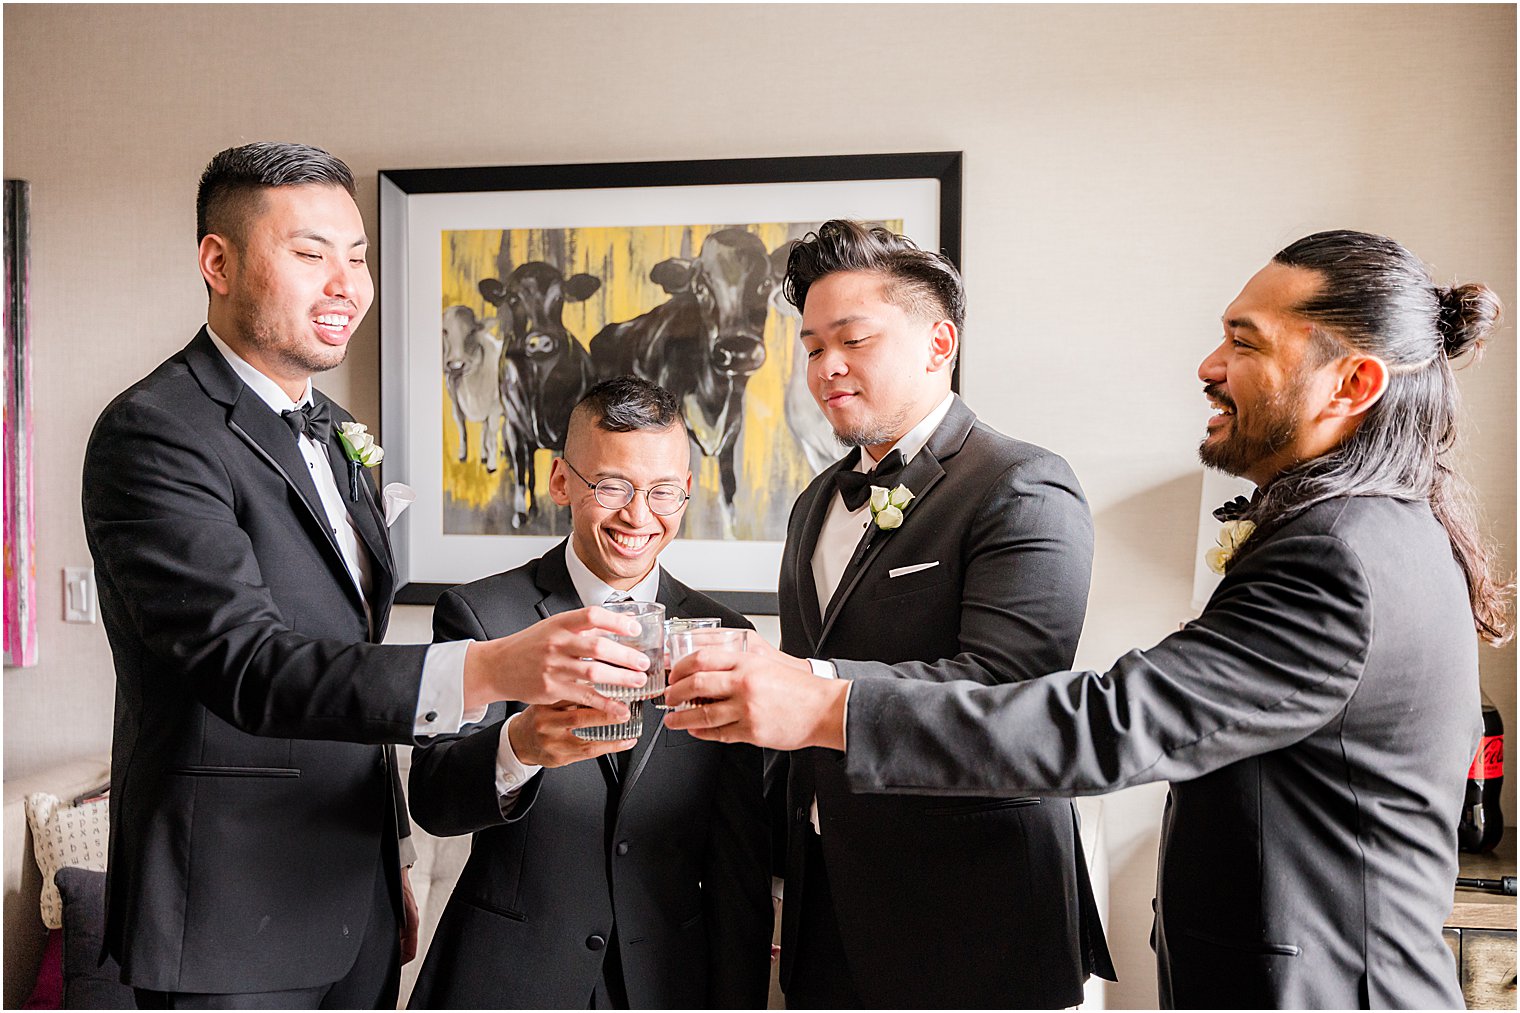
point(681, 625)
point(688, 641)
point(651, 640)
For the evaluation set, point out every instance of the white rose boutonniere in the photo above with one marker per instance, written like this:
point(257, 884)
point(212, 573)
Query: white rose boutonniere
point(362, 451)
point(361, 446)
point(1232, 535)
point(887, 505)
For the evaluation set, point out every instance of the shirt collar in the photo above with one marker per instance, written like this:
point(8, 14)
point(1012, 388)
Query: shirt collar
point(268, 391)
point(914, 439)
point(592, 591)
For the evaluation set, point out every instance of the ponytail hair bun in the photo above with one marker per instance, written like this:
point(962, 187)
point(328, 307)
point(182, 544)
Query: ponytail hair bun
point(1467, 315)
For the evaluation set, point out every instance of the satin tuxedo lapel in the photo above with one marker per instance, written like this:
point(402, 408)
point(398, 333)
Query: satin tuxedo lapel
point(368, 518)
point(267, 435)
point(371, 522)
point(921, 475)
point(809, 603)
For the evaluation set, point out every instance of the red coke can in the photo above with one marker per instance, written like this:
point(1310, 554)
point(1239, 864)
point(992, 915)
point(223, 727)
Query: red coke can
point(1482, 820)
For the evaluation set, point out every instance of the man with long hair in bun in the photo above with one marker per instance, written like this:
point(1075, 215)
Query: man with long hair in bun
point(1316, 721)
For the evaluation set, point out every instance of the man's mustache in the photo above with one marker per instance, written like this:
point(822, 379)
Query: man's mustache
point(1216, 393)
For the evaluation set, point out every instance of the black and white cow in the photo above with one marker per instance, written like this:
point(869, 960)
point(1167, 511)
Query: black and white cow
point(705, 341)
point(471, 361)
point(544, 370)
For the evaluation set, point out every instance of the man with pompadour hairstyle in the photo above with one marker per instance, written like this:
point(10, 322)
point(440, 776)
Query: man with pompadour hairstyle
point(937, 549)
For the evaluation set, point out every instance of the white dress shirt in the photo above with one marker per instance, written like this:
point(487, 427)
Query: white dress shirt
point(440, 702)
point(511, 772)
point(843, 528)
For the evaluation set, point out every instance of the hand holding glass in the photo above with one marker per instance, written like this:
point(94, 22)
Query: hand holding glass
point(651, 640)
point(680, 625)
point(690, 641)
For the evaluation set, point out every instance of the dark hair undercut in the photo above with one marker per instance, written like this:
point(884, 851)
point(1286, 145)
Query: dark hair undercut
point(624, 404)
point(230, 186)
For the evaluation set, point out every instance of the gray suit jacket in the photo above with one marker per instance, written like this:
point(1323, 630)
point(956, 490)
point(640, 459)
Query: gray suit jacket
point(676, 849)
point(1316, 722)
point(948, 902)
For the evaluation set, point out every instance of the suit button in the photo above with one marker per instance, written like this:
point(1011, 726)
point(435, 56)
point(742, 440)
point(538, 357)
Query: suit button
point(595, 942)
point(622, 847)
point(802, 815)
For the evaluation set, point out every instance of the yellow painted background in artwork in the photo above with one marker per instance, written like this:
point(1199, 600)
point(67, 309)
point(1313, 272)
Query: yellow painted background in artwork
point(770, 465)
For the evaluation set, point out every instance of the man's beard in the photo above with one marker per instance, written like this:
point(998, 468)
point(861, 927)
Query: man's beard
point(874, 432)
point(263, 334)
point(1276, 427)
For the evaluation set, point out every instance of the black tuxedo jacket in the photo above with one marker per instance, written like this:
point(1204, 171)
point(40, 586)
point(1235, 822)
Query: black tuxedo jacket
point(946, 902)
point(1316, 723)
point(677, 851)
point(250, 811)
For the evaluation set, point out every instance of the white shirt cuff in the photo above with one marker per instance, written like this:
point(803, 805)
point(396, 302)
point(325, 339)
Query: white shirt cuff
point(511, 773)
point(844, 732)
point(440, 701)
point(823, 669)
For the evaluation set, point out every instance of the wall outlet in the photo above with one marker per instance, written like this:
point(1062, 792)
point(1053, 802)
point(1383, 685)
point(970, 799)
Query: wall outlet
point(79, 594)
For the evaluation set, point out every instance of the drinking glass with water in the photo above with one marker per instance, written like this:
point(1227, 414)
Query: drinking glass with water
point(651, 640)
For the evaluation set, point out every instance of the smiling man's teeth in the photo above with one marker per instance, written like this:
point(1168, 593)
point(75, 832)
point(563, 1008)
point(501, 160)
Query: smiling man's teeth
point(333, 320)
point(630, 541)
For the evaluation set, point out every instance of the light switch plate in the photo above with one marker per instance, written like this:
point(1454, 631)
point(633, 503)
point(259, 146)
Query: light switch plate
point(79, 594)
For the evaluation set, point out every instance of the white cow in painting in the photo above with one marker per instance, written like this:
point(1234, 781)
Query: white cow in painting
point(471, 354)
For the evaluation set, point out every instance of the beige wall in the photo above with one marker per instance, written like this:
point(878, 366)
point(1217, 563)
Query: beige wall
point(1127, 169)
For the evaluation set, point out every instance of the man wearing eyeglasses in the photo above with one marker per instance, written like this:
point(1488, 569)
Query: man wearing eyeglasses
point(641, 878)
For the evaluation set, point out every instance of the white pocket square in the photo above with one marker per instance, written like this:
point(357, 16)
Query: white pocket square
point(396, 497)
point(903, 571)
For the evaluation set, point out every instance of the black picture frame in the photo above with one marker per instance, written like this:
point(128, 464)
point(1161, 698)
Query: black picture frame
point(411, 199)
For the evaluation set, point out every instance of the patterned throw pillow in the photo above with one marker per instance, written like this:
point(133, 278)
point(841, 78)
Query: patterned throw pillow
point(63, 835)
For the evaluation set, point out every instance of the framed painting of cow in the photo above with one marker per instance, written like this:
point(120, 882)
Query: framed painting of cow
point(507, 292)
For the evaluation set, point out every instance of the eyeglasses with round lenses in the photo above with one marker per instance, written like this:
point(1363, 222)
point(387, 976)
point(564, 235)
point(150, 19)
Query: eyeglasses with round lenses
point(616, 493)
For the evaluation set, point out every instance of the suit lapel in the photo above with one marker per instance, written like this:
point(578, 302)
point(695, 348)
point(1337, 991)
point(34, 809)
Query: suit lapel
point(365, 511)
point(921, 475)
point(267, 435)
point(379, 541)
point(812, 526)
point(553, 579)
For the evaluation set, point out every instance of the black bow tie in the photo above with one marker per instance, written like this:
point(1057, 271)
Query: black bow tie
point(855, 486)
point(314, 420)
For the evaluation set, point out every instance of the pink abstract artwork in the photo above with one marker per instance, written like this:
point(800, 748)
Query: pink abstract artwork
point(20, 531)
